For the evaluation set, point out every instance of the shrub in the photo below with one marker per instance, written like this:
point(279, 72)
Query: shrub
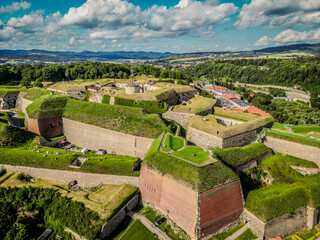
point(2, 172)
point(106, 99)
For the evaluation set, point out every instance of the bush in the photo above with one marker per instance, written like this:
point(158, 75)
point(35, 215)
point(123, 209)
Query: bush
point(106, 99)
point(2, 172)
point(23, 177)
point(14, 135)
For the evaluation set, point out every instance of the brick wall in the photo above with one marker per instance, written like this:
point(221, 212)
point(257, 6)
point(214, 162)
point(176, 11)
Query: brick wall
point(294, 149)
point(93, 137)
point(219, 207)
point(48, 127)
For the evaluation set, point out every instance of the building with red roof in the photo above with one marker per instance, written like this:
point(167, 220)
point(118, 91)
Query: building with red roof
point(237, 109)
point(255, 110)
point(220, 88)
point(229, 96)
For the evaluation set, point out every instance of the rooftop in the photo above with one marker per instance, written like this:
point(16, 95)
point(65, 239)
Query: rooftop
point(255, 110)
point(196, 105)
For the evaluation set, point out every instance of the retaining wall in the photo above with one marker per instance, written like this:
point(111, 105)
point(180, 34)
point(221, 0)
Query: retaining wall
point(181, 118)
point(204, 139)
point(114, 222)
point(65, 176)
point(227, 121)
point(246, 166)
point(294, 149)
point(23, 103)
point(93, 137)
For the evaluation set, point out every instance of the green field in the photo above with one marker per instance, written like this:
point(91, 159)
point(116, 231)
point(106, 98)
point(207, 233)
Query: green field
point(241, 116)
point(305, 129)
point(279, 126)
point(34, 93)
point(172, 143)
point(193, 154)
point(237, 155)
point(137, 230)
point(224, 235)
point(247, 235)
point(196, 105)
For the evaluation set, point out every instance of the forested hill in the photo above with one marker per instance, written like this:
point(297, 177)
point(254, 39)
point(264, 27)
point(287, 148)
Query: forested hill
point(284, 72)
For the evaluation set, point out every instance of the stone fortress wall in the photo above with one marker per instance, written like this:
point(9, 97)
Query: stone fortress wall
point(181, 118)
point(198, 213)
point(294, 149)
point(65, 176)
point(93, 137)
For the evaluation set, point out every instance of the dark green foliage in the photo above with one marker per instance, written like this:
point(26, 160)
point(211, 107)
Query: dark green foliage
point(277, 92)
point(49, 210)
point(200, 178)
point(2, 172)
point(237, 155)
point(158, 107)
point(22, 177)
point(294, 138)
point(106, 99)
point(15, 136)
point(247, 235)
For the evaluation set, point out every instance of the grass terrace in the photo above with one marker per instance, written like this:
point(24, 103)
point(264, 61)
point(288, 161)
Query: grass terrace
point(289, 192)
point(78, 85)
point(210, 125)
point(247, 235)
point(240, 116)
point(105, 201)
point(305, 129)
point(34, 93)
point(4, 91)
point(196, 105)
point(193, 154)
point(224, 235)
point(199, 178)
point(294, 138)
point(135, 230)
point(172, 143)
point(279, 126)
point(238, 155)
point(47, 106)
point(118, 118)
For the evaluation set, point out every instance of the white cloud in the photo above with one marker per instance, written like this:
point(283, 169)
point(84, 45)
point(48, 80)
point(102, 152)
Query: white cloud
point(118, 19)
point(7, 33)
point(27, 21)
point(290, 36)
point(284, 13)
point(72, 40)
point(15, 6)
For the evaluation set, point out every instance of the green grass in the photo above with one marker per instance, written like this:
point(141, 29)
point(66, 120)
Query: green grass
point(241, 116)
point(108, 164)
point(199, 178)
point(138, 231)
point(237, 155)
point(172, 143)
point(305, 129)
point(21, 117)
point(34, 93)
point(305, 234)
point(196, 105)
point(247, 235)
point(4, 91)
point(294, 138)
point(224, 235)
point(118, 118)
point(279, 126)
point(290, 191)
point(151, 214)
point(47, 106)
point(200, 155)
point(3, 117)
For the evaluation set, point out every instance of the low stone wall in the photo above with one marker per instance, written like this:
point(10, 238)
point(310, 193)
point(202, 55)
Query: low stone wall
point(284, 225)
point(240, 140)
point(65, 176)
point(204, 139)
point(114, 222)
point(294, 149)
point(246, 166)
point(227, 121)
point(93, 137)
point(96, 97)
point(23, 103)
point(181, 118)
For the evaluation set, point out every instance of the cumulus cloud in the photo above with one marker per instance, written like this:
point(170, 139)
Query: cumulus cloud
point(274, 13)
point(290, 36)
point(27, 21)
point(15, 6)
point(115, 19)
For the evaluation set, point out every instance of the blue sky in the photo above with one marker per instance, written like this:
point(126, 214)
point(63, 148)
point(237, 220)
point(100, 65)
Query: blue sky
point(157, 25)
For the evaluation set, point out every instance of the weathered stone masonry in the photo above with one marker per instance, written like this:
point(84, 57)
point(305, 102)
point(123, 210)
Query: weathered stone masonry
point(93, 137)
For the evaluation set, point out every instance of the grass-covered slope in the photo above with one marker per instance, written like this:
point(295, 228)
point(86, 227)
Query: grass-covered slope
point(47, 106)
point(199, 178)
point(196, 105)
point(289, 192)
point(210, 125)
point(241, 116)
point(34, 93)
point(118, 118)
point(237, 155)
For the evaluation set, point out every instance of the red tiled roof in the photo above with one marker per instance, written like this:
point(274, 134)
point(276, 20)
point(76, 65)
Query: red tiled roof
point(237, 109)
point(220, 88)
point(210, 88)
point(229, 96)
point(256, 110)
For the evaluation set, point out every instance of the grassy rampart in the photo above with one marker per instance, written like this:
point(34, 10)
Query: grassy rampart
point(34, 93)
point(199, 178)
point(241, 116)
point(196, 105)
point(237, 155)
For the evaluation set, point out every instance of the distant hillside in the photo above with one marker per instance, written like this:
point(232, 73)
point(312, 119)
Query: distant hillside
point(310, 48)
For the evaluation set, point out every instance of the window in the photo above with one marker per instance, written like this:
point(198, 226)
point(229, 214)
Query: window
point(50, 125)
point(60, 123)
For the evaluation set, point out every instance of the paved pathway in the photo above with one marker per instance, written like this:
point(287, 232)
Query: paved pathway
point(149, 225)
point(238, 233)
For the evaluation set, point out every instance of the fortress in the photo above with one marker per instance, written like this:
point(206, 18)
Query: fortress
point(192, 184)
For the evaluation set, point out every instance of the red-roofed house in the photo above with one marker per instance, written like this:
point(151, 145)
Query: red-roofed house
point(237, 109)
point(220, 88)
point(209, 88)
point(256, 110)
point(229, 96)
